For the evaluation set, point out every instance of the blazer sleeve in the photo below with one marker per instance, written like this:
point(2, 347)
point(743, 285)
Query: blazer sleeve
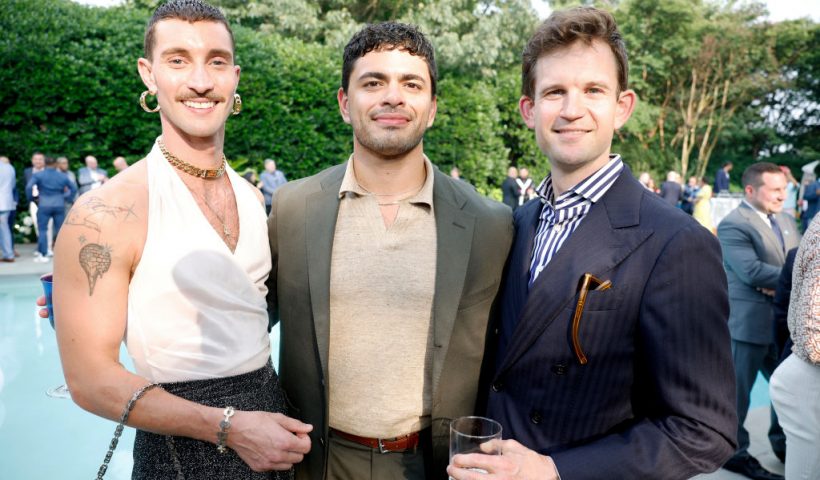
point(30, 183)
point(812, 192)
point(684, 396)
point(739, 254)
point(72, 189)
point(273, 304)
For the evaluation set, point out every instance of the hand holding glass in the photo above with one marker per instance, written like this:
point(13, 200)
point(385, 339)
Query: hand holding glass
point(468, 434)
point(48, 285)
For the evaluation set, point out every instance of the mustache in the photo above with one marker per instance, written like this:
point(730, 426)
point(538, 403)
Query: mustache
point(211, 96)
point(391, 110)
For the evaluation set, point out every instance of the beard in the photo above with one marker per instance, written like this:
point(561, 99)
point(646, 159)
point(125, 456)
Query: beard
point(391, 142)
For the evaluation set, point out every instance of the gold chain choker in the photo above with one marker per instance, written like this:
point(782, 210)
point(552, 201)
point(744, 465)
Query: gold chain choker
point(190, 169)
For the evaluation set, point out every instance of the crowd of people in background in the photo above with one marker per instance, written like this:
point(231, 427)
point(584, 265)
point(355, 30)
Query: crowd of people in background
point(51, 187)
point(651, 395)
point(695, 197)
point(517, 188)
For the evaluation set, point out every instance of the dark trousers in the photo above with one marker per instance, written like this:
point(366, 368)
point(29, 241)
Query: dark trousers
point(749, 359)
point(351, 461)
point(43, 216)
point(12, 221)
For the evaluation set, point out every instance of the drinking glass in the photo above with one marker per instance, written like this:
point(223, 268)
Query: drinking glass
point(48, 284)
point(467, 434)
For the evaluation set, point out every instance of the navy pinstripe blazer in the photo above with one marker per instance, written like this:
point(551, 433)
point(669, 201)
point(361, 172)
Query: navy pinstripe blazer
point(657, 397)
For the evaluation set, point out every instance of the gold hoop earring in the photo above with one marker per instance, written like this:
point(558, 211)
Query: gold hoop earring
point(145, 105)
point(237, 104)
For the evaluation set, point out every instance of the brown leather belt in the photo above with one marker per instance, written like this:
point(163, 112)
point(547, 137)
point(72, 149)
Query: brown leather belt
point(384, 445)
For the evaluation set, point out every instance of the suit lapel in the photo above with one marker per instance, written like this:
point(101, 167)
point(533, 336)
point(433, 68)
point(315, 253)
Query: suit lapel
point(769, 238)
point(516, 283)
point(322, 208)
point(454, 234)
point(789, 228)
point(610, 233)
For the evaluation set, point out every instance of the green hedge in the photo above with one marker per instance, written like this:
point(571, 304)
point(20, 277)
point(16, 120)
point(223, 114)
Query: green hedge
point(77, 88)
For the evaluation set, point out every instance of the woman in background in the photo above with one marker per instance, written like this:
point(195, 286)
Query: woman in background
point(702, 211)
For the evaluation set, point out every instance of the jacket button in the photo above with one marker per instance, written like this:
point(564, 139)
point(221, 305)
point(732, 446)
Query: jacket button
point(497, 385)
point(559, 368)
point(535, 417)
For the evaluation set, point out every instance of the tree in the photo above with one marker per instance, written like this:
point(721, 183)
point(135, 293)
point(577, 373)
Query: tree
point(693, 65)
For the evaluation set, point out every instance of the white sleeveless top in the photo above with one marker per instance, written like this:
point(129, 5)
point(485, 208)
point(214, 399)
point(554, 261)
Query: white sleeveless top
point(196, 310)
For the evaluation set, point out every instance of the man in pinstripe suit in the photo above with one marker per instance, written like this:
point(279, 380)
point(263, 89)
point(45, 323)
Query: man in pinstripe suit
point(612, 356)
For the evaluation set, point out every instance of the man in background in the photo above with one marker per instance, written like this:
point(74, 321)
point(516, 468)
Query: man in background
point(8, 180)
point(755, 237)
point(38, 164)
point(120, 164)
point(62, 165)
point(270, 180)
point(690, 193)
point(509, 188)
point(91, 176)
point(525, 186)
point(52, 186)
point(722, 178)
point(671, 189)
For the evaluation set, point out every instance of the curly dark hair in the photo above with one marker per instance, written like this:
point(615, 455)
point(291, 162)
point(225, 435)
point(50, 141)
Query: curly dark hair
point(388, 36)
point(187, 10)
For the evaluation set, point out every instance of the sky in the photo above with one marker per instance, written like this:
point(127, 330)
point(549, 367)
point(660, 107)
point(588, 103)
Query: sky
point(778, 9)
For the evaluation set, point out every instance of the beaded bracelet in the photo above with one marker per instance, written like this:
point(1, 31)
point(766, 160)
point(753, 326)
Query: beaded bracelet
point(224, 426)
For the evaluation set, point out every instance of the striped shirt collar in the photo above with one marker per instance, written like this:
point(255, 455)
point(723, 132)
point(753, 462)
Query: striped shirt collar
point(591, 188)
point(560, 217)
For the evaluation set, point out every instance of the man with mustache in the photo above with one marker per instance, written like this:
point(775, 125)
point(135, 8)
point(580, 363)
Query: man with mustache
point(166, 256)
point(384, 272)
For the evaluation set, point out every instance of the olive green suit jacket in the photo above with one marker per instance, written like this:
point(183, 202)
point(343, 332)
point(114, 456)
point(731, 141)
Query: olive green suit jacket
point(473, 238)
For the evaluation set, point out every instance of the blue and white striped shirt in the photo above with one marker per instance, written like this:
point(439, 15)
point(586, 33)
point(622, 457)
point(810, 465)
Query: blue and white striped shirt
point(560, 217)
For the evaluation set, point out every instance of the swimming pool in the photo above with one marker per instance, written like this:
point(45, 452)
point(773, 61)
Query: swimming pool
point(43, 437)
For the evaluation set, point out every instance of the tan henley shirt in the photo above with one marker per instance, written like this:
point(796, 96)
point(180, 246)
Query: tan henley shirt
point(382, 282)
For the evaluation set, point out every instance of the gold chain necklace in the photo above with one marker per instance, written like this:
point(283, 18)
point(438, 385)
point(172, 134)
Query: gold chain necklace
point(190, 169)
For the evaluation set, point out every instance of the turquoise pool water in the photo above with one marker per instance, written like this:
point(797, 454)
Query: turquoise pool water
point(43, 437)
point(48, 438)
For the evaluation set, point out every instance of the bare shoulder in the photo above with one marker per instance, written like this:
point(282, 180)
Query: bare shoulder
point(108, 225)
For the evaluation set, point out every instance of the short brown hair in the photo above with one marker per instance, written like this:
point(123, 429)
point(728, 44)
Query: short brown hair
point(753, 175)
point(565, 27)
point(188, 10)
point(389, 36)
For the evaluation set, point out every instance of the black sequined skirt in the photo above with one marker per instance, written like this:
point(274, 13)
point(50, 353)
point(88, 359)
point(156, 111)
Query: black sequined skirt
point(258, 390)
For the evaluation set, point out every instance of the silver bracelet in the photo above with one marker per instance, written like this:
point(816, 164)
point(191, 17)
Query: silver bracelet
point(118, 431)
point(224, 426)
